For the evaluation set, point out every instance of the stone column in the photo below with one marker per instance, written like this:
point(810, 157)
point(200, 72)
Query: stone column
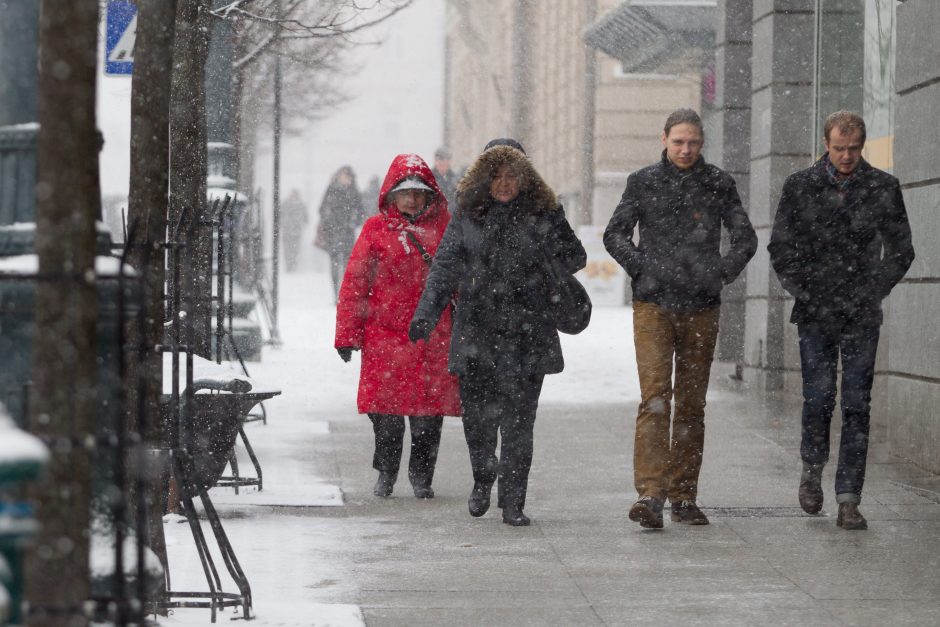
point(781, 143)
point(907, 381)
point(729, 147)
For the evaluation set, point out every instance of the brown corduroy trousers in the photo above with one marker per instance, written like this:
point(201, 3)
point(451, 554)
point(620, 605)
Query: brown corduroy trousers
point(665, 466)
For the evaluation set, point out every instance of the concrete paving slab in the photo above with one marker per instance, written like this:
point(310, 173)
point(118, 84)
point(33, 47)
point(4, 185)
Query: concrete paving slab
point(475, 599)
point(727, 610)
point(885, 612)
point(482, 617)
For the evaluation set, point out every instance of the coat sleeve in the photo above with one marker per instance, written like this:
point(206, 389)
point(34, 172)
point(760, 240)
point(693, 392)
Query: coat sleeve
point(566, 247)
point(444, 277)
point(352, 306)
point(742, 235)
point(896, 240)
point(618, 236)
point(784, 247)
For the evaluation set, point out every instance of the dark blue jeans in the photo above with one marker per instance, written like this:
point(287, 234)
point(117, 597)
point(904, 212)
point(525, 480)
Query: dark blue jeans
point(820, 349)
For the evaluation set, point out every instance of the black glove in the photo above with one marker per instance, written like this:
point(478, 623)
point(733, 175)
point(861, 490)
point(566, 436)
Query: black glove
point(345, 352)
point(420, 330)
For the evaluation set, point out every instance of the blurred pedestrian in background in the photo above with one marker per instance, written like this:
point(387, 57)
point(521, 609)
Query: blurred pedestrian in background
point(370, 195)
point(504, 341)
point(446, 178)
point(341, 213)
point(383, 282)
point(294, 219)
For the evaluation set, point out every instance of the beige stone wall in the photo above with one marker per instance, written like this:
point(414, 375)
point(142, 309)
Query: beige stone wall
point(557, 131)
point(629, 110)
point(479, 83)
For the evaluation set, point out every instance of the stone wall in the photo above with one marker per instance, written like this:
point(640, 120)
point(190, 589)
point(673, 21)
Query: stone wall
point(907, 384)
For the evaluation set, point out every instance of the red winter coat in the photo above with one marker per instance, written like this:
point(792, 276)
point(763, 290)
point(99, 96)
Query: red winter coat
point(383, 283)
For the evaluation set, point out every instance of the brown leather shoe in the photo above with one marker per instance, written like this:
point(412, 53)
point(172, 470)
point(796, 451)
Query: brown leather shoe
point(688, 513)
point(648, 511)
point(811, 492)
point(850, 518)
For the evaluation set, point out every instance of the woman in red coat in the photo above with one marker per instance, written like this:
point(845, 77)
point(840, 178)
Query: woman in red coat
point(383, 282)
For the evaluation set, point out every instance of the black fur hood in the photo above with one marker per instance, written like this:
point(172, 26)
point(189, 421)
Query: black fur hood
point(473, 190)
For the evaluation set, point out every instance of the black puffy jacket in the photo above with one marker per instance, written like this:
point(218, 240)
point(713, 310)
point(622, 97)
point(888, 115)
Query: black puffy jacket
point(839, 255)
point(493, 257)
point(677, 263)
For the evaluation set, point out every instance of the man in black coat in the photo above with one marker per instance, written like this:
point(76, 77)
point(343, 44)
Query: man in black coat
point(840, 243)
point(680, 205)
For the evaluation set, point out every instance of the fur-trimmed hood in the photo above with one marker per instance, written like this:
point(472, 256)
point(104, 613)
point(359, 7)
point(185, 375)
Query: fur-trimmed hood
point(473, 190)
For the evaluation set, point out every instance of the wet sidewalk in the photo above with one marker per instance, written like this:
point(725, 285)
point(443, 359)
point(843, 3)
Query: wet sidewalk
point(762, 561)
point(406, 562)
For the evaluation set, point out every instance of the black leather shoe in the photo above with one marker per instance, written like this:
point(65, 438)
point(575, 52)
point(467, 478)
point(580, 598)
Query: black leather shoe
point(850, 518)
point(648, 511)
point(811, 492)
point(479, 501)
point(384, 484)
point(515, 517)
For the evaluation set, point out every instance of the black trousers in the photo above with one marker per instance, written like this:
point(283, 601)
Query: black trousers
point(425, 439)
point(820, 349)
point(494, 404)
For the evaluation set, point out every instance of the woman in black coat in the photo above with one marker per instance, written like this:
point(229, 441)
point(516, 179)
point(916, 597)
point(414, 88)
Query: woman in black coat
point(341, 213)
point(493, 256)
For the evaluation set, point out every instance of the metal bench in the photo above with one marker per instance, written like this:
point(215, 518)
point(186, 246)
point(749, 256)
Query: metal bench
point(204, 412)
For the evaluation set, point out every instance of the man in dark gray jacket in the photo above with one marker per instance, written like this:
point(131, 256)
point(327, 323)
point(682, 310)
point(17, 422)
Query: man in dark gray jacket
point(840, 243)
point(680, 205)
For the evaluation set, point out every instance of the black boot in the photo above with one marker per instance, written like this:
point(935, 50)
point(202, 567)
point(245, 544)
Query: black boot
point(384, 484)
point(479, 501)
point(512, 515)
point(422, 488)
point(811, 492)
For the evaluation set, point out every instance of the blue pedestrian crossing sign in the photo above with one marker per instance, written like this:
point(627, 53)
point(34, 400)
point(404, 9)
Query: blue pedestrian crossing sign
point(120, 35)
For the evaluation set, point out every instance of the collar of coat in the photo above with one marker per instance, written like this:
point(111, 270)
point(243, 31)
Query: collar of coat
point(820, 171)
point(671, 169)
point(473, 190)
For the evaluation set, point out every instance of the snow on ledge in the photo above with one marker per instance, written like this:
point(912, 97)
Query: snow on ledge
point(17, 446)
point(29, 264)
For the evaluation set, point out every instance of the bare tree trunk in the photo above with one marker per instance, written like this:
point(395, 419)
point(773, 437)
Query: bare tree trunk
point(188, 164)
point(148, 204)
point(64, 368)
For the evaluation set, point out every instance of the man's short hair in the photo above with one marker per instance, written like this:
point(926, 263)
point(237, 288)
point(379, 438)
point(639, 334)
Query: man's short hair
point(684, 116)
point(442, 153)
point(846, 122)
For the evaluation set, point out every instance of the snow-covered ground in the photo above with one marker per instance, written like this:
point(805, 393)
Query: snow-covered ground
point(316, 383)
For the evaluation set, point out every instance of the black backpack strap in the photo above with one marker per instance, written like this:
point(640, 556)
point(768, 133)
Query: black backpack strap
point(424, 254)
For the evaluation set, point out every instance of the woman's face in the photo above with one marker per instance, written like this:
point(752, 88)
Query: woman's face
point(410, 201)
point(505, 185)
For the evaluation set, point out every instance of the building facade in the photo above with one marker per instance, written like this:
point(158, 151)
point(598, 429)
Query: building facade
point(521, 68)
